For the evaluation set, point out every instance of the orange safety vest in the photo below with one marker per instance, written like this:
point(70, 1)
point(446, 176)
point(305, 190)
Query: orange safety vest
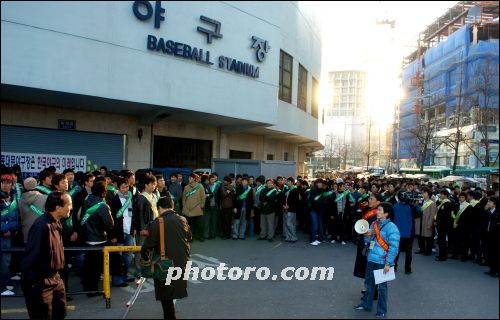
point(370, 214)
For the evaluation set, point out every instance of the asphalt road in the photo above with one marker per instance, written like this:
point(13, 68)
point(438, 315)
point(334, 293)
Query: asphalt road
point(451, 289)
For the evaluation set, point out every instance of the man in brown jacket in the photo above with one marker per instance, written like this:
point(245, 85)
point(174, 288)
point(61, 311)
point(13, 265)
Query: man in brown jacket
point(193, 202)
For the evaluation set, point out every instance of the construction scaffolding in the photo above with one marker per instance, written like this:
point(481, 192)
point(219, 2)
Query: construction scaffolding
point(440, 73)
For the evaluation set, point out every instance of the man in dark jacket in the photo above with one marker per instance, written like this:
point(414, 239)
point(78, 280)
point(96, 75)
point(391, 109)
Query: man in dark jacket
point(177, 237)
point(243, 205)
point(342, 216)
point(444, 223)
point(268, 200)
point(492, 236)
point(97, 221)
point(291, 204)
point(42, 285)
point(319, 201)
point(404, 220)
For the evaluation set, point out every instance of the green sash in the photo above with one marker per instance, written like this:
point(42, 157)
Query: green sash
point(291, 188)
point(112, 188)
point(190, 193)
point(74, 190)
point(36, 210)
point(259, 189)
point(326, 194)
point(18, 192)
point(43, 189)
point(342, 195)
point(90, 211)
point(459, 213)
point(10, 208)
point(426, 204)
point(125, 205)
point(244, 194)
point(270, 192)
point(363, 196)
point(216, 184)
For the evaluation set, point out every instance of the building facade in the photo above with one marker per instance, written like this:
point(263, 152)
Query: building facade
point(346, 117)
point(155, 84)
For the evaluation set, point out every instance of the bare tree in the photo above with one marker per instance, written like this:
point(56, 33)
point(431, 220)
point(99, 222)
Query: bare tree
point(484, 85)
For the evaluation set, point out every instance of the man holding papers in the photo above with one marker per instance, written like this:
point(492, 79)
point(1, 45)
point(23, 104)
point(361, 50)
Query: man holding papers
point(383, 239)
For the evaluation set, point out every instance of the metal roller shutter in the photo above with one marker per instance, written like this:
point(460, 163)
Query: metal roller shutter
point(101, 149)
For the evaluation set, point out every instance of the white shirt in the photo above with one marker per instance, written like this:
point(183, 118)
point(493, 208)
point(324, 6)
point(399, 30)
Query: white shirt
point(127, 215)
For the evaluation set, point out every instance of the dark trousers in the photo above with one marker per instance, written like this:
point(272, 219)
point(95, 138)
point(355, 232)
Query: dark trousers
point(226, 222)
point(168, 309)
point(492, 256)
point(425, 245)
point(462, 243)
point(405, 245)
point(443, 249)
point(92, 269)
point(196, 226)
point(45, 299)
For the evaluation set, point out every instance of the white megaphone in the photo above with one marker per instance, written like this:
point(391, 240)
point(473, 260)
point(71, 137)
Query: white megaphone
point(361, 226)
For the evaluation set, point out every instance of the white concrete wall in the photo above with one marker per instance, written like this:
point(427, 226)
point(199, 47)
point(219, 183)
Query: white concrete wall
point(99, 49)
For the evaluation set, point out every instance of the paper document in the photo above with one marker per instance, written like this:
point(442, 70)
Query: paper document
point(381, 277)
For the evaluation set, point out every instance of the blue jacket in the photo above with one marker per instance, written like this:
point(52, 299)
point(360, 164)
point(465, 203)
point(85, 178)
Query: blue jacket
point(403, 218)
point(390, 233)
point(10, 220)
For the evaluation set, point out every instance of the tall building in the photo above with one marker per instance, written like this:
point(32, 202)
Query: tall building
point(141, 84)
point(450, 111)
point(346, 116)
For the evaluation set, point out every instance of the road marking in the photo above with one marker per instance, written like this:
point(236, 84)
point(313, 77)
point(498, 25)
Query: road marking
point(24, 310)
point(275, 277)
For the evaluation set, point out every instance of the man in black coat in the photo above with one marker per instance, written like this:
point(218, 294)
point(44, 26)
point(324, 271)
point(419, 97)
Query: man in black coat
point(291, 205)
point(492, 236)
point(444, 223)
point(177, 236)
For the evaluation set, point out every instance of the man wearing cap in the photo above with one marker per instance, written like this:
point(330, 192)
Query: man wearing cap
point(31, 206)
point(9, 226)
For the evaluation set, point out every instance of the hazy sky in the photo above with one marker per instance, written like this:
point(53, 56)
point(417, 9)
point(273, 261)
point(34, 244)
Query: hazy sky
point(352, 40)
point(348, 27)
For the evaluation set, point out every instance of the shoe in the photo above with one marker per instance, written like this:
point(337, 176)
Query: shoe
point(380, 315)
point(11, 288)
point(489, 273)
point(93, 294)
point(343, 243)
point(454, 257)
point(361, 308)
point(293, 241)
point(16, 278)
point(418, 252)
point(201, 240)
point(7, 293)
point(363, 291)
point(440, 259)
point(270, 240)
point(433, 250)
point(314, 243)
point(333, 241)
point(235, 238)
point(261, 239)
point(130, 280)
point(242, 238)
point(407, 272)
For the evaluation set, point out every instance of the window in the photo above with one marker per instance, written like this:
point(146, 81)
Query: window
point(235, 154)
point(270, 156)
point(286, 67)
point(302, 88)
point(314, 101)
point(285, 156)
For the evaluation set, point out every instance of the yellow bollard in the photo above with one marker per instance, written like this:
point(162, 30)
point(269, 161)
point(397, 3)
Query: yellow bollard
point(106, 285)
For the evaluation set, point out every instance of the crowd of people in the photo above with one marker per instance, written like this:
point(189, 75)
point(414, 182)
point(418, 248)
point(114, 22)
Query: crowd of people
point(116, 207)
